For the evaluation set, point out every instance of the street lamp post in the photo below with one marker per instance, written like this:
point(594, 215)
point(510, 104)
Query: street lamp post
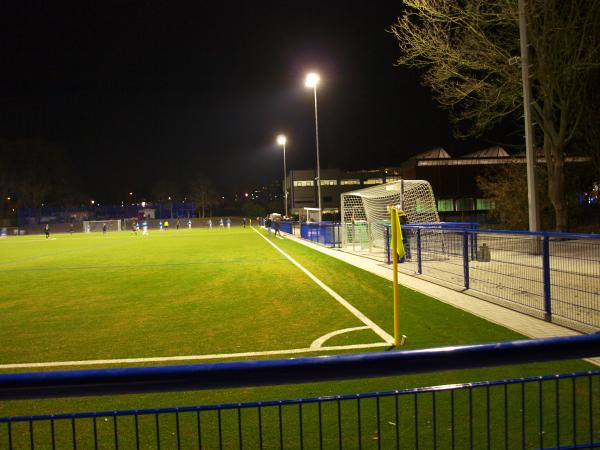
point(282, 140)
point(312, 80)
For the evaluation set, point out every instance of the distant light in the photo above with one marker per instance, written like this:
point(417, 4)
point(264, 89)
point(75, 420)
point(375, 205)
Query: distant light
point(92, 202)
point(312, 79)
point(131, 193)
point(281, 139)
point(246, 194)
point(7, 198)
point(223, 198)
point(169, 198)
point(143, 204)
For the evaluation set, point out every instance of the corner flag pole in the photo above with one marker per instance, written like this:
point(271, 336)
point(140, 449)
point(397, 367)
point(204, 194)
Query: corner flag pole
point(394, 222)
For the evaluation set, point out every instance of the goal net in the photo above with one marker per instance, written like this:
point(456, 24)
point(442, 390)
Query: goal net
point(366, 212)
point(90, 226)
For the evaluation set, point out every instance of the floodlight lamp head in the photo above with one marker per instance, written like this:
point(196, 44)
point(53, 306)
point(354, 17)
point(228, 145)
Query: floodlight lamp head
point(312, 79)
point(281, 139)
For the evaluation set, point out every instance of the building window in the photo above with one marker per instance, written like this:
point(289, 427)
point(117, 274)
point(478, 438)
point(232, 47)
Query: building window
point(373, 181)
point(303, 183)
point(348, 182)
point(392, 178)
point(446, 204)
point(328, 182)
point(464, 204)
point(484, 204)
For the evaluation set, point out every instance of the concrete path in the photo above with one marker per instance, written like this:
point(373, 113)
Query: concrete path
point(521, 323)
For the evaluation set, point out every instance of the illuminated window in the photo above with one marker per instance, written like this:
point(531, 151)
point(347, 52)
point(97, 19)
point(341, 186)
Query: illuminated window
point(348, 182)
point(464, 204)
point(484, 204)
point(304, 183)
point(373, 181)
point(328, 182)
point(392, 178)
point(445, 205)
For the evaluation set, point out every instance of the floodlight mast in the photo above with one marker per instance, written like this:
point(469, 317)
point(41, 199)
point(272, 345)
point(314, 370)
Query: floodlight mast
point(282, 140)
point(312, 80)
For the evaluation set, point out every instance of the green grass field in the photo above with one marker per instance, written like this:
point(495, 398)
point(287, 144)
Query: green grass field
point(179, 293)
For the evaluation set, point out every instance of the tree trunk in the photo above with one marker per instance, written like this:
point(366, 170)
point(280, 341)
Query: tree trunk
point(556, 183)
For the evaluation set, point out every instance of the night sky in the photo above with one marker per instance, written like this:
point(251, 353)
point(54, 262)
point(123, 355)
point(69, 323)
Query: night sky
point(140, 91)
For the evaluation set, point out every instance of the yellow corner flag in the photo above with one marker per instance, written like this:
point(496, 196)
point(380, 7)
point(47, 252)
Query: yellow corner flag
point(397, 252)
point(398, 235)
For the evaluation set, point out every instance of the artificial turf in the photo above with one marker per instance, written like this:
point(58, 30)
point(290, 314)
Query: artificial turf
point(217, 291)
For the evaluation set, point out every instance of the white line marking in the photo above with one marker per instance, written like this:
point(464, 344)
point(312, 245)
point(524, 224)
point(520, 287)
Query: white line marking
point(318, 343)
point(359, 315)
point(95, 362)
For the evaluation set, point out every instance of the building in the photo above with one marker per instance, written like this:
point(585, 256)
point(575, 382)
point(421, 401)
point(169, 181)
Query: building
point(302, 187)
point(454, 181)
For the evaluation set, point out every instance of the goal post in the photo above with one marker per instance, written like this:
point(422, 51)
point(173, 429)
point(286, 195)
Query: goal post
point(365, 212)
point(92, 226)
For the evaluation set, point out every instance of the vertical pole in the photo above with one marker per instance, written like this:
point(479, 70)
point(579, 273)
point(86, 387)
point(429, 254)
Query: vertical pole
point(530, 154)
point(285, 192)
point(318, 160)
point(466, 258)
point(387, 245)
point(395, 276)
point(546, 275)
point(419, 258)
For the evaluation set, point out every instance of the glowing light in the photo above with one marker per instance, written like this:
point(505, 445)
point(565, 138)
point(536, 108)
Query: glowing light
point(131, 193)
point(93, 201)
point(246, 194)
point(312, 79)
point(281, 139)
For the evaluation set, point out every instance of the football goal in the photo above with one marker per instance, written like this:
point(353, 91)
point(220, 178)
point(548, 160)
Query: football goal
point(366, 212)
point(91, 226)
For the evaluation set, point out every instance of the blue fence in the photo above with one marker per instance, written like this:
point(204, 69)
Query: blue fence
point(543, 412)
point(29, 216)
point(324, 233)
point(555, 276)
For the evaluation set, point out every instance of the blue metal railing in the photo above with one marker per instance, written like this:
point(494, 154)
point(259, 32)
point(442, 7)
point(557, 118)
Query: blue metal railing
point(324, 233)
point(536, 412)
point(549, 275)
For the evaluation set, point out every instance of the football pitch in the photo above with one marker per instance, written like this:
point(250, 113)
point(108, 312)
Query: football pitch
point(207, 295)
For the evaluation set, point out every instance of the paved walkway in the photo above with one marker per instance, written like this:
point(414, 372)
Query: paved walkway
point(521, 323)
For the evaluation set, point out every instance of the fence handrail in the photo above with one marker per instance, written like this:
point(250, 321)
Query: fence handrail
point(518, 232)
point(293, 370)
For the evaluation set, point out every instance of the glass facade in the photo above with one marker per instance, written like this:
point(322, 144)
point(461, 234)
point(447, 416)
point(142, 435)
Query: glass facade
point(329, 183)
point(484, 204)
point(446, 204)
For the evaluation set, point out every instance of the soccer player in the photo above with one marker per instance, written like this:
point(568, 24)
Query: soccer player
point(134, 227)
point(177, 224)
point(144, 228)
point(221, 222)
point(47, 230)
point(209, 223)
point(103, 228)
point(276, 227)
point(190, 224)
point(228, 223)
point(244, 222)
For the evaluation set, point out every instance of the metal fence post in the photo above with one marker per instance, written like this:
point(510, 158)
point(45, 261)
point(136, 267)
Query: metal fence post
point(546, 272)
point(419, 253)
point(466, 258)
point(387, 245)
